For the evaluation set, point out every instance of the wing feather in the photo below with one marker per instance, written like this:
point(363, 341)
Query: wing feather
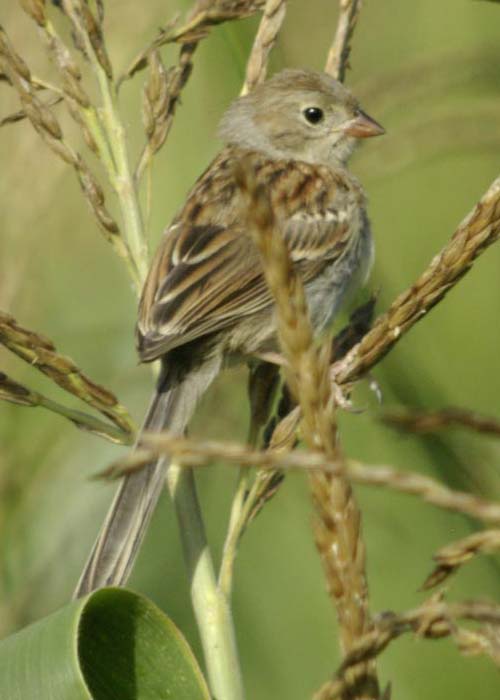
point(207, 272)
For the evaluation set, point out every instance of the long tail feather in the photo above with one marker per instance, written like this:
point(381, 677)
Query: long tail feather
point(117, 545)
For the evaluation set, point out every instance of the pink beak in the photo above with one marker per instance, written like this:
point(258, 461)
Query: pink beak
point(363, 126)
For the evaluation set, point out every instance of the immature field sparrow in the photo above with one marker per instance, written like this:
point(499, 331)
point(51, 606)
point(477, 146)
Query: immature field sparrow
point(205, 301)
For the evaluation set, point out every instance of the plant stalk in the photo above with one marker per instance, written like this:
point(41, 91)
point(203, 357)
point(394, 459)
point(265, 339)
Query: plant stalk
point(211, 608)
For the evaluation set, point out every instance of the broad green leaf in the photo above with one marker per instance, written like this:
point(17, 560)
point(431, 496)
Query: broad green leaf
point(111, 645)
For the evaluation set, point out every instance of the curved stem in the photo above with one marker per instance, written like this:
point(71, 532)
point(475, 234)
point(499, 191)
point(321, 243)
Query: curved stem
point(113, 143)
point(235, 529)
point(211, 608)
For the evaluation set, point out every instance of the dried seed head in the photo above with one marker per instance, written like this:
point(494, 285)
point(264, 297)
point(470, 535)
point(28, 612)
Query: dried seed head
point(155, 101)
point(10, 57)
point(35, 9)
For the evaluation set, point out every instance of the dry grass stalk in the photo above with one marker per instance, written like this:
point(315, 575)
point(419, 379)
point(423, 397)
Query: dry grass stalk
point(282, 429)
point(270, 25)
point(426, 488)
point(161, 96)
point(88, 36)
point(263, 383)
point(267, 482)
point(164, 88)
point(479, 230)
point(20, 114)
point(410, 483)
point(41, 353)
point(35, 9)
point(72, 89)
point(338, 57)
point(434, 619)
point(155, 104)
point(204, 15)
point(22, 396)
point(47, 126)
point(338, 522)
point(306, 363)
point(198, 454)
point(454, 555)
point(432, 421)
point(102, 128)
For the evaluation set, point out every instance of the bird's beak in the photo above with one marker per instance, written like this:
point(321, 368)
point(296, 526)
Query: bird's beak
point(363, 126)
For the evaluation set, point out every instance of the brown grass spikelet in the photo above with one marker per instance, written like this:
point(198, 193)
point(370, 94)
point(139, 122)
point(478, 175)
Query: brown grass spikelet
point(21, 395)
point(337, 61)
point(202, 17)
point(19, 76)
point(95, 197)
point(161, 96)
point(270, 25)
point(35, 9)
point(479, 230)
point(41, 353)
point(47, 125)
point(14, 392)
point(338, 522)
point(435, 619)
point(87, 31)
point(154, 96)
point(454, 555)
point(307, 364)
point(68, 68)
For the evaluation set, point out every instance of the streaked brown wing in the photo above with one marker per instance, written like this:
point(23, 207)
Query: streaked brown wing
point(219, 281)
point(206, 276)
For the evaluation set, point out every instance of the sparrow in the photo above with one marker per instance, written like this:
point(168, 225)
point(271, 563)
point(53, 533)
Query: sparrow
point(205, 302)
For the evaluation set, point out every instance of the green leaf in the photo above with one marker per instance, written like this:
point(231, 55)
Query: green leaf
point(113, 644)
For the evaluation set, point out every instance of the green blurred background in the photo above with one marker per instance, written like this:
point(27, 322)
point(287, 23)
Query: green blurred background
point(429, 72)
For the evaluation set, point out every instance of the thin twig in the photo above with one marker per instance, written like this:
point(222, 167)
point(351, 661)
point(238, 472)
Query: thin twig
point(337, 61)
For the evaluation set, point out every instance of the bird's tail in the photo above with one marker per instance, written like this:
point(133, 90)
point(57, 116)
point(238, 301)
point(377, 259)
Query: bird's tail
point(117, 545)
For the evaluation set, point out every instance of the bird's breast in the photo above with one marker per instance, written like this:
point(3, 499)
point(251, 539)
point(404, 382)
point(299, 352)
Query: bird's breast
point(326, 293)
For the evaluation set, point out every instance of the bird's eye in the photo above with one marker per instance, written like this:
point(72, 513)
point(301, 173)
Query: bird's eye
point(314, 115)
